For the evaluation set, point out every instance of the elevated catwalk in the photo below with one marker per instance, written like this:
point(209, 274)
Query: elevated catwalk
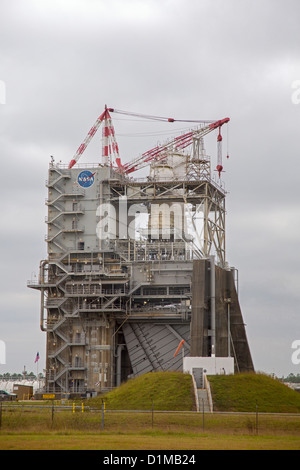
point(129, 273)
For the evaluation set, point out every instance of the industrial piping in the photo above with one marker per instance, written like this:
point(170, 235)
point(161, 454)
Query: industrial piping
point(213, 305)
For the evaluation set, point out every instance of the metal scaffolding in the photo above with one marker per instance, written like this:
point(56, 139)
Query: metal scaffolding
point(116, 287)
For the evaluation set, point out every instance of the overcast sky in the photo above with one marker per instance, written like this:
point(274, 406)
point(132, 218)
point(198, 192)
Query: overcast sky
point(62, 61)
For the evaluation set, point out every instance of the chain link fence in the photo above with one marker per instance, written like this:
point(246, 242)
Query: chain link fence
point(78, 417)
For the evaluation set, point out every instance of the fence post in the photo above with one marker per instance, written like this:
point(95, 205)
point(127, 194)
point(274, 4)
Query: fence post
point(203, 414)
point(52, 413)
point(256, 421)
point(152, 414)
point(102, 419)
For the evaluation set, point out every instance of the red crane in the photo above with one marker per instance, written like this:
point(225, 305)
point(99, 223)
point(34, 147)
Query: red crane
point(110, 146)
point(109, 141)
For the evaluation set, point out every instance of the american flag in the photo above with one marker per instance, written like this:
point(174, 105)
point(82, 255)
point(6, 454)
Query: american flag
point(37, 357)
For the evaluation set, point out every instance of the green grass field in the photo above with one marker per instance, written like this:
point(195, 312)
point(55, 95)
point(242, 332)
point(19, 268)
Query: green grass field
point(144, 441)
point(253, 414)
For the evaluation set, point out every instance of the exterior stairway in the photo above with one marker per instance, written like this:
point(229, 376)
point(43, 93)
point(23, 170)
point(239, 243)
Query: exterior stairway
point(203, 400)
point(202, 391)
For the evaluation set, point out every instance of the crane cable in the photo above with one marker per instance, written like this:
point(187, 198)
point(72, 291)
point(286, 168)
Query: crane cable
point(158, 118)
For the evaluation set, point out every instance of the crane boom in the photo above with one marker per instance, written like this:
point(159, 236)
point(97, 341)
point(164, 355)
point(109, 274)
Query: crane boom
point(178, 143)
point(107, 134)
point(110, 146)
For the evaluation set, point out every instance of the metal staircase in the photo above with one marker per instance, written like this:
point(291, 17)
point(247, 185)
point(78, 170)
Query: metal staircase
point(202, 390)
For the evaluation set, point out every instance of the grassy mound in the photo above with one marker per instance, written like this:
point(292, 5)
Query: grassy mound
point(173, 391)
point(168, 391)
point(243, 392)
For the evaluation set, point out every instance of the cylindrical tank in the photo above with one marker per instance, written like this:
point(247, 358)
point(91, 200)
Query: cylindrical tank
point(166, 220)
point(172, 166)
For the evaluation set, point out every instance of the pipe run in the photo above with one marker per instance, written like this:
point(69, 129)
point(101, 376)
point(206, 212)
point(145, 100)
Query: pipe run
point(213, 305)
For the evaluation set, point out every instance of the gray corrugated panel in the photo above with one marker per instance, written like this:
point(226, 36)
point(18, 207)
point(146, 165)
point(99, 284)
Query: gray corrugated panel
point(161, 342)
point(146, 346)
point(152, 346)
point(181, 332)
point(156, 336)
point(167, 342)
point(146, 336)
point(138, 358)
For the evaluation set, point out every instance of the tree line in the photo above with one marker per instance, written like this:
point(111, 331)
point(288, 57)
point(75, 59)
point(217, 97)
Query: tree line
point(292, 378)
point(21, 376)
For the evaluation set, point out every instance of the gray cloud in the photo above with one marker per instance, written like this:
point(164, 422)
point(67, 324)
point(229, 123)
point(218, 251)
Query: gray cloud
point(63, 61)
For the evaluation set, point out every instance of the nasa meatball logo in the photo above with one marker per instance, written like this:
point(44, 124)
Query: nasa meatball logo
point(85, 179)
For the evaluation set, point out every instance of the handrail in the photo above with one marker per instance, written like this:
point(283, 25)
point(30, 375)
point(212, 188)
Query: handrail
point(207, 387)
point(195, 393)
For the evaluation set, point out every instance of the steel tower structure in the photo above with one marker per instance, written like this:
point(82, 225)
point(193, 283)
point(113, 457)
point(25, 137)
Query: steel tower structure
point(120, 286)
